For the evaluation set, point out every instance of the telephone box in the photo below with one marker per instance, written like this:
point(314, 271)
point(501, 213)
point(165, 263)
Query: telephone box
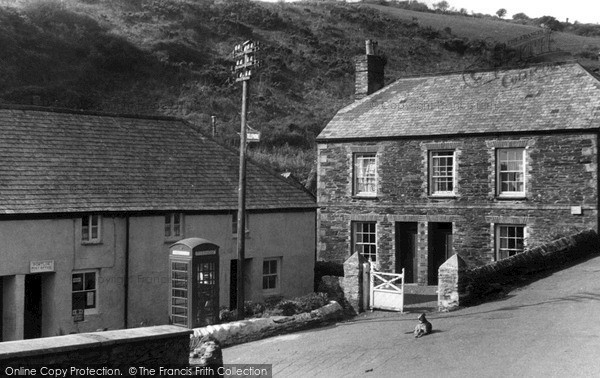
point(194, 296)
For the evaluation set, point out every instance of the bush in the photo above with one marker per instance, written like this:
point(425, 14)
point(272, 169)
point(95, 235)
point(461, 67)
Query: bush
point(327, 268)
point(311, 302)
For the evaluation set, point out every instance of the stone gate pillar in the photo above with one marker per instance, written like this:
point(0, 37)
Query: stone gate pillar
point(352, 283)
point(448, 283)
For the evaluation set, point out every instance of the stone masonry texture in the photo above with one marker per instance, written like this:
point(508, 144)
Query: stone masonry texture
point(561, 174)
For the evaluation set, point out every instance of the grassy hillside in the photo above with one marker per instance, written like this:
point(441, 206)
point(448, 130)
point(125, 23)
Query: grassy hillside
point(173, 57)
point(496, 29)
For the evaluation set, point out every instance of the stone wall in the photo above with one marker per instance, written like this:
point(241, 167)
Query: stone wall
point(561, 176)
point(247, 330)
point(148, 346)
point(459, 286)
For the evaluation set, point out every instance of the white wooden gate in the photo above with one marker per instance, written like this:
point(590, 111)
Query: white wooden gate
point(386, 290)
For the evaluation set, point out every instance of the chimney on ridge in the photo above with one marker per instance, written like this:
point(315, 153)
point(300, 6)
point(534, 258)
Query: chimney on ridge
point(369, 72)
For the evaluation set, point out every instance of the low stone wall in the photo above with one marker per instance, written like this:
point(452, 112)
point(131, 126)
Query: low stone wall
point(255, 329)
point(148, 346)
point(459, 286)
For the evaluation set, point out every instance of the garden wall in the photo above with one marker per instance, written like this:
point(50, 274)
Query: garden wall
point(459, 286)
point(148, 346)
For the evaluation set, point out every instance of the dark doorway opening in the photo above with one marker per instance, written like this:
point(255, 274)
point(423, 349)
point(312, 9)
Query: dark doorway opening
point(406, 250)
point(440, 248)
point(32, 317)
point(233, 285)
point(1, 308)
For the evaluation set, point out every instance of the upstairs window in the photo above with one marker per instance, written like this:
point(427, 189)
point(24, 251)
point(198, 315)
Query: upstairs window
point(441, 173)
point(90, 228)
point(365, 239)
point(234, 222)
point(511, 172)
point(173, 229)
point(510, 240)
point(365, 175)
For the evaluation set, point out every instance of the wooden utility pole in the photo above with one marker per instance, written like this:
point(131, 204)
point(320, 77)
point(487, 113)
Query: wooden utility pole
point(245, 63)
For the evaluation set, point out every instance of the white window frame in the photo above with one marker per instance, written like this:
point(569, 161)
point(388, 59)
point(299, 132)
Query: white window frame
point(359, 244)
point(436, 155)
point(170, 226)
point(95, 309)
point(89, 219)
point(276, 274)
point(511, 245)
point(500, 172)
point(365, 179)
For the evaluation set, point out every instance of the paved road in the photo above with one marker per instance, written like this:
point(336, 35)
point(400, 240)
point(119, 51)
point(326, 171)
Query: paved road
point(548, 328)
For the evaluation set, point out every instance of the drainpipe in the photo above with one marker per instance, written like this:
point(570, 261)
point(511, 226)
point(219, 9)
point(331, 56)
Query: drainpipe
point(126, 275)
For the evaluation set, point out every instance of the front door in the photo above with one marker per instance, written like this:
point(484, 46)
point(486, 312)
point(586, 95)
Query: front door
point(32, 317)
point(440, 248)
point(206, 281)
point(406, 250)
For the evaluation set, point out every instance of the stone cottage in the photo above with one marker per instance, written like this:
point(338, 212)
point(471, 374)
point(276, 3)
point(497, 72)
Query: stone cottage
point(481, 164)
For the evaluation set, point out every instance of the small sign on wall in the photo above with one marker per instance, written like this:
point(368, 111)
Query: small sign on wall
point(78, 315)
point(576, 210)
point(41, 266)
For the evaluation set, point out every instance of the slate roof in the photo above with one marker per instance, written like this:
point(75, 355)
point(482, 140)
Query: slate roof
point(54, 161)
point(546, 97)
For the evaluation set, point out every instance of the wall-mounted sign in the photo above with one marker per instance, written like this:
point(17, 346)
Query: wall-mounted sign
point(576, 210)
point(204, 253)
point(181, 253)
point(41, 266)
point(78, 315)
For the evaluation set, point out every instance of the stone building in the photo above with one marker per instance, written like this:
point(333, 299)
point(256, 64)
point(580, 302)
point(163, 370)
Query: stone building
point(480, 164)
point(90, 205)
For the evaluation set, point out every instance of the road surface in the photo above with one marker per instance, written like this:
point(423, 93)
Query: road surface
point(549, 328)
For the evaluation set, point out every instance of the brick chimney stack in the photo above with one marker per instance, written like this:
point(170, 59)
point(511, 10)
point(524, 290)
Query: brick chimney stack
point(369, 71)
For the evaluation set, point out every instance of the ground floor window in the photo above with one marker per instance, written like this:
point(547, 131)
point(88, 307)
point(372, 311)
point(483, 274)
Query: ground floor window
point(271, 273)
point(84, 291)
point(510, 240)
point(365, 239)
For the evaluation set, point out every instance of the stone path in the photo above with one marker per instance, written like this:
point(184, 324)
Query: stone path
point(549, 328)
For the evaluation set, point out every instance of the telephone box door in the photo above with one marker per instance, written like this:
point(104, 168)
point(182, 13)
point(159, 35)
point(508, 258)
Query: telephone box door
point(206, 274)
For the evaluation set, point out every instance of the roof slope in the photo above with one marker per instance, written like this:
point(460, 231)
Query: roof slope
point(54, 161)
point(544, 97)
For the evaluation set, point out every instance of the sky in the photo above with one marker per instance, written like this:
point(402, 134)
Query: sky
point(585, 11)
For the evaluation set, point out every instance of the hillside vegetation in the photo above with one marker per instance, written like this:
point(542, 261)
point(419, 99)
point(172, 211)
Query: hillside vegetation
point(173, 57)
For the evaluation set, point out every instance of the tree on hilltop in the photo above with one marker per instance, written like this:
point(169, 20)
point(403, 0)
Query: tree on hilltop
point(501, 12)
point(442, 5)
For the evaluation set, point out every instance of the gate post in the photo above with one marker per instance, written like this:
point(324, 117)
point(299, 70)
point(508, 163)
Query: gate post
point(448, 278)
point(366, 286)
point(352, 283)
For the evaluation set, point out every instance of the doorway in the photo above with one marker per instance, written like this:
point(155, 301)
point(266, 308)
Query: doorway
point(233, 285)
point(32, 317)
point(440, 248)
point(406, 250)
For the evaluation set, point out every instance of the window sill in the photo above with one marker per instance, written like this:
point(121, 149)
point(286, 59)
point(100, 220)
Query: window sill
point(505, 197)
point(444, 196)
point(173, 240)
point(95, 242)
point(365, 197)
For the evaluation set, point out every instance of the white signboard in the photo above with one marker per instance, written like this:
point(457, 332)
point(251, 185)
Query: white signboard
point(41, 266)
point(181, 253)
